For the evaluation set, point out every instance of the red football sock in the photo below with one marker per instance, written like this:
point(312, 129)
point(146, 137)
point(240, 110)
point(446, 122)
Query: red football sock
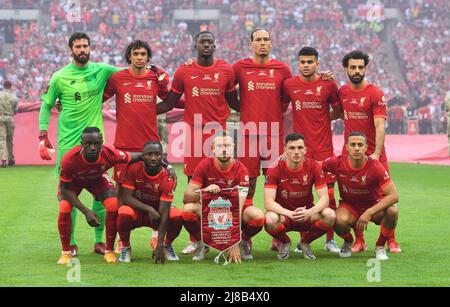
point(332, 205)
point(124, 226)
point(252, 228)
point(112, 207)
point(65, 224)
point(317, 229)
point(392, 236)
point(191, 222)
point(279, 233)
point(359, 234)
point(348, 238)
point(175, 225)
point(385, 233)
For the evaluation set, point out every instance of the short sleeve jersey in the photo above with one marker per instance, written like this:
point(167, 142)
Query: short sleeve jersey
point(208, 172)
point(360, 107)
point(294, 187)
point(136, 98)
point(149, 189)
point(204, 90)
point(260, 91)
point(311, 103)
point(358, 187)
point(75, 167)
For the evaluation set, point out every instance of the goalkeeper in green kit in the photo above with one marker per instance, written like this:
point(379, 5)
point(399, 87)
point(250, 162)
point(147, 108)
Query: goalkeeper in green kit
point(79, 87)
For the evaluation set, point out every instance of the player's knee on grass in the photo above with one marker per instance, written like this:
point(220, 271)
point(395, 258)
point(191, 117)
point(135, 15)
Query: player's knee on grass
point(65, 207)
point(272, 220)
point(343, 220)
point(193, 208)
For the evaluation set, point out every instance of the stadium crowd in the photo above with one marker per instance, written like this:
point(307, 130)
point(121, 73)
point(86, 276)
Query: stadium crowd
point(327, 25)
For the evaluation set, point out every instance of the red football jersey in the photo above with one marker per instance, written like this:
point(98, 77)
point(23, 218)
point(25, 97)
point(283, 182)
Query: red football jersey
point(358, 187)
point(294, 187)
point(360, 107)
point(149, 189)
point(260, 91)
point(311, 109)
point(204, 90)
point(136, 98)
point(75, 167)
point(208, 172)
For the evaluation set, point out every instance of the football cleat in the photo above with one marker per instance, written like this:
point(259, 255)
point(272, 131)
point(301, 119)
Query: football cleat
point(307, 252)
point(110, 257)
point(74, 250)
point(190, 248)
point(380, 253)
point(246, 249)
point(170, 253)
point(331, 247)
point(65, 258)
point(359, 246)
point(199, 252)
point(394, 247)
point(283, 250)
point(125, 254)
point(99, 248)
point(346, 250)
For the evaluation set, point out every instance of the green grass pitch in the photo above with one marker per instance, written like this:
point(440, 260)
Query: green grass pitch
point(31, 246)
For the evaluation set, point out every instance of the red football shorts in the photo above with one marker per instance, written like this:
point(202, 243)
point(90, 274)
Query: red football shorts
point(259, 151)
point(95, 186)
point(355, 211)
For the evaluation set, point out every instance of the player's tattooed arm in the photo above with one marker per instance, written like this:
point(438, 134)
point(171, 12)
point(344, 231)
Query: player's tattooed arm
point(91, 217)
point(233, 100)
point(168, 104)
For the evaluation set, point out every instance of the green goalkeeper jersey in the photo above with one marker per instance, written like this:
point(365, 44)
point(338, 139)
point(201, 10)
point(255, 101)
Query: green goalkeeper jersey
point(80, 92)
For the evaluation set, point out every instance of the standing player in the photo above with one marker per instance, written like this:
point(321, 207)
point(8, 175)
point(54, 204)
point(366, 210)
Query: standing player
point(147, 197)
point(213, 174)
point(288, 198)
point(84, 167)
point(367, 193)
point(207, 85)
point(311, 99)
point(137, 90)
point(79, 87)
point(364, 109)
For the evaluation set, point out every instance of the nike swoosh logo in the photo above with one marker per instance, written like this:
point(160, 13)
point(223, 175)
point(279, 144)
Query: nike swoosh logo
point(345, 100)
point(211, 178)
point(250, 72)
point(193, 77)
point(295, 92)
point(284, 180)
point(125, 84)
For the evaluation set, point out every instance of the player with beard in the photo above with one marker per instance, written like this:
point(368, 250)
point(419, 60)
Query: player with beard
point(311, 99)
point(212, 174)
point(79, 88)
point(208, 88)
point(364, 109)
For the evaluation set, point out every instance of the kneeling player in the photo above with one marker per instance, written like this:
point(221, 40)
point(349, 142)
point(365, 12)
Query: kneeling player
point(147, 196)
point(213, 174)
point(84, 167)
point(288, 199)
point(367, 193)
